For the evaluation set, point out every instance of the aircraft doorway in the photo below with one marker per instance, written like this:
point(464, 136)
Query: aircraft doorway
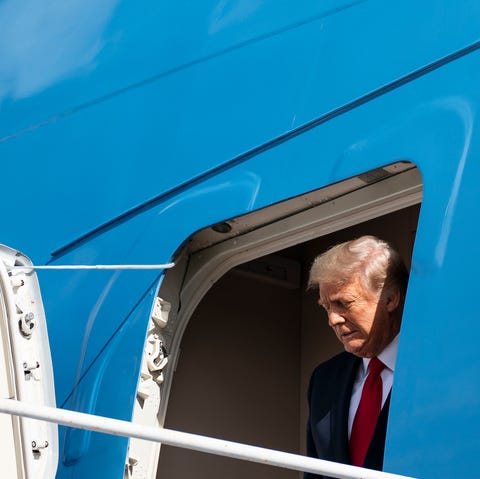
point(248, 352)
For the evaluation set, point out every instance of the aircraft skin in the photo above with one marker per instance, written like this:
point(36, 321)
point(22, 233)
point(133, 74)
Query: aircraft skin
point(126, 127)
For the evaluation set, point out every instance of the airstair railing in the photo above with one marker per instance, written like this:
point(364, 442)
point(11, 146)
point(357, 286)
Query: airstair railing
point(191, 441)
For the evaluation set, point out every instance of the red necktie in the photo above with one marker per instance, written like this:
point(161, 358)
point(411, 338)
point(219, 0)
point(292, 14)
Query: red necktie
point(367, 413)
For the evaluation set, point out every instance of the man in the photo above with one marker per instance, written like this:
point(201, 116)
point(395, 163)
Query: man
point(362, 285)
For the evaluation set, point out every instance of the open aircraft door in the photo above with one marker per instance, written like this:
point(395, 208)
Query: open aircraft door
point(29, 447)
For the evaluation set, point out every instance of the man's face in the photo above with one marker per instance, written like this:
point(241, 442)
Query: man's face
point(361, 320)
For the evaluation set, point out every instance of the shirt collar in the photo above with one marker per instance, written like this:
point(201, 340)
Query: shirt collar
point(388, 356)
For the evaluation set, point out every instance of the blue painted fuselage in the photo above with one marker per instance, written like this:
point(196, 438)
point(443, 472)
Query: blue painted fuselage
point(127, 127)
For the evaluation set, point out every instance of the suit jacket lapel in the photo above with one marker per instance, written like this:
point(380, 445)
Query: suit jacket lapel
point(340, 410)
point(374, 457)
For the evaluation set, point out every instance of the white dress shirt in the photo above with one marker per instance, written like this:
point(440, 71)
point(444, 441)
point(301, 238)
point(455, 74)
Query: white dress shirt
point(388, 357)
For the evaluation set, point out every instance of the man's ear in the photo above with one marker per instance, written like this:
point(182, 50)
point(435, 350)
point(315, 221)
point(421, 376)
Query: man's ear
point(393, 299)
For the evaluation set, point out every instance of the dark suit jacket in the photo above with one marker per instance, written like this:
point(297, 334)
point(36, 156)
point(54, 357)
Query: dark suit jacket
point(329, 399)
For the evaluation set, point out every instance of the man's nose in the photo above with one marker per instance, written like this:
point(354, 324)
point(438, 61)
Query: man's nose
point(335, 318)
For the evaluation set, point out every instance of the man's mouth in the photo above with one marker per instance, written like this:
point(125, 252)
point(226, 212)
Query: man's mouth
point(347, 334)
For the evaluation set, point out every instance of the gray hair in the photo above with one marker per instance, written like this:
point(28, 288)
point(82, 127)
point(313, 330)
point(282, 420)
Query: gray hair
point(376, 262)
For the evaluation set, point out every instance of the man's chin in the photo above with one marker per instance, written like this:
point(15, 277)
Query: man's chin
point(355, 347)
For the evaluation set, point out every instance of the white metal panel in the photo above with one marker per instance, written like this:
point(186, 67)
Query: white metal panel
point(29, 448)
point(10, 456)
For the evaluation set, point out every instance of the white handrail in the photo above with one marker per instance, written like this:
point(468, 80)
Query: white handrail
point(191, 441)
point(96, 266)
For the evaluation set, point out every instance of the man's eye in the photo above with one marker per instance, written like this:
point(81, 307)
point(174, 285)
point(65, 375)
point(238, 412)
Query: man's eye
point(342, 304)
